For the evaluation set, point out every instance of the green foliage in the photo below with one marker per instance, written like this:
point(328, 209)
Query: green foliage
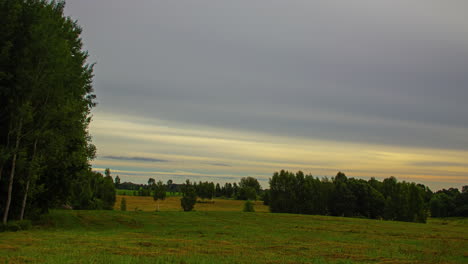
point(123, 204)
point(265, 197)
point(15, 226)
point(189, 197)
point(451, 202)
point(304, 194)
point(46, 97)
point(247, 193)
point(159, 191)
point(249, 187)
point(249, 206)
point(117, 181)
point(205, 190)
point(92, 190)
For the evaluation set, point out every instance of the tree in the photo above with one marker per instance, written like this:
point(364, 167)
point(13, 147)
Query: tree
point(249, 206)
point(205, 190)
point(266, 197)
point(45, 101)
point(117, 181)
point(170, 188)
point(107, 172)
point(123, 204)
point(247, 193)
point(304, 194)
point(151, 182)
point(159, 192)
point(246, 182)
point(189, 197)
point(218, 192)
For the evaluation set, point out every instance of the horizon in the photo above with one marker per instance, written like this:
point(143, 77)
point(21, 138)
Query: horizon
point(222, 90)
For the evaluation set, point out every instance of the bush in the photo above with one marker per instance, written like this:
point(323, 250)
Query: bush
point(187, 202)
point(249, 206)
point(189, 197)
point(16, 226)
point(123, 205)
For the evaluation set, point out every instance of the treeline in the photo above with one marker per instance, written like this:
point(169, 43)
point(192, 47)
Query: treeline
point(45, 101)
point(247, 189)
point(342, 196)
point(451, 202)
point(145, 189)
point(92, 190)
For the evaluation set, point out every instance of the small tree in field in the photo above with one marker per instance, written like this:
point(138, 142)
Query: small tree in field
point(123, 205)
point(189, 197)
point(159, 192)
point(249, 206)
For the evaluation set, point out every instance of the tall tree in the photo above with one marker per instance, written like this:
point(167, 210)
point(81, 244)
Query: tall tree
point(44, 75)
point(159, 192)
point(189, 196)
point(117, 181)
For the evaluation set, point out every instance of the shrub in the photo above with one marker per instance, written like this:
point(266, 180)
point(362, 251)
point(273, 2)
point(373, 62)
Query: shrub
point(123, 205)
point(187, 202)
point(189, 197)
point(16, 226)
point(249, 206)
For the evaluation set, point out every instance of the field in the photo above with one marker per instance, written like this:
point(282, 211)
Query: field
point(220, 233)
point(145, 203)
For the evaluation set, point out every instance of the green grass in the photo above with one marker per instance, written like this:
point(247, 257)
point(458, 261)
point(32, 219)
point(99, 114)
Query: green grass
point(231, 237)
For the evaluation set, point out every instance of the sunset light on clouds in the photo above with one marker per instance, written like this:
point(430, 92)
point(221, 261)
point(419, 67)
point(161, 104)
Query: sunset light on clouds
point(219, 90)
point(160, 149)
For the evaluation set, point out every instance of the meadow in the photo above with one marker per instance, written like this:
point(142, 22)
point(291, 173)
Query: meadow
point(172, 203)
point(220, 233)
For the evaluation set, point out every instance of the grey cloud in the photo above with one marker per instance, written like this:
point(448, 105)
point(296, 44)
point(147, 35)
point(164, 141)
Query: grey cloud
point(219, 164)
point(287, 67)
point(134, 158)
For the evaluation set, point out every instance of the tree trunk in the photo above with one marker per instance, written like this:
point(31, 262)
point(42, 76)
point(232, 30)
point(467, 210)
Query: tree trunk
point(158, 205)
point(12, 173)
point(25, 198)
point(6, 148)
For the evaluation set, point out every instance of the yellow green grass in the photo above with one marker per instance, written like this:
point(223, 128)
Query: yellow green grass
point(230, 236)
point(146, 203)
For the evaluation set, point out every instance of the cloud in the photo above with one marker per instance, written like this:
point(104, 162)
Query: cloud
point(326, 85)
point(219, 164)
point(439, 164)
point(134, 159)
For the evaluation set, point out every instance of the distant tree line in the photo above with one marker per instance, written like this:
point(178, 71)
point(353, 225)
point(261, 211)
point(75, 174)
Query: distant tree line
point(451, 202)
point(247, 189)
point(342, 196)
point(46, 97)
point(339, 196)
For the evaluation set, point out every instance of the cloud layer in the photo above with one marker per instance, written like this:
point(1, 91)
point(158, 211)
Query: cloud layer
point(364, 73)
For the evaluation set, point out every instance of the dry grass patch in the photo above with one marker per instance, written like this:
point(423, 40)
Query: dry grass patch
point(146, 203)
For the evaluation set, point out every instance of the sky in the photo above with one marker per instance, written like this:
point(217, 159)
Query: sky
point(218, 90)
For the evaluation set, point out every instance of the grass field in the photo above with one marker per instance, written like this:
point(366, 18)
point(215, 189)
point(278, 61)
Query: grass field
point(230, 236)
point(146, 203)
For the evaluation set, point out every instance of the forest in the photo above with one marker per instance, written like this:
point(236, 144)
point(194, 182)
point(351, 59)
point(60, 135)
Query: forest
point(46, 97)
